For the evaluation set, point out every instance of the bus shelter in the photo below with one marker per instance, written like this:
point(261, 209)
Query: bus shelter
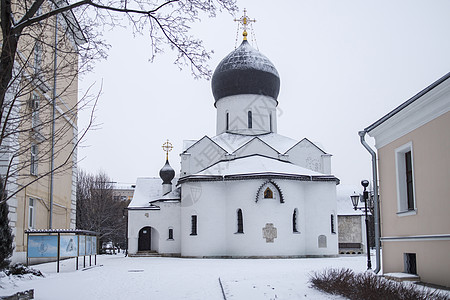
point(62, 243)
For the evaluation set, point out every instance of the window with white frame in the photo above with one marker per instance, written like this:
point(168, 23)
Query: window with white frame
point(37, 52)
point(34, 160)
point(34, 105)
point(31, 208)
point(404, 161)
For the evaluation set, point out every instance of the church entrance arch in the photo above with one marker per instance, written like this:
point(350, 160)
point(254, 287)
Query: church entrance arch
point(145, 239)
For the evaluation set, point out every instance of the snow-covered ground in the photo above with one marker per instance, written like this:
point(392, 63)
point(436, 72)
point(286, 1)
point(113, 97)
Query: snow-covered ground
point(119, 277)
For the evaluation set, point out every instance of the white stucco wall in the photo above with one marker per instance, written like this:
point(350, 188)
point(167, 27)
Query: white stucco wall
point(320, 203)
point(216, 204)
point(238, 106)
point(206, 200)
point(160, 221)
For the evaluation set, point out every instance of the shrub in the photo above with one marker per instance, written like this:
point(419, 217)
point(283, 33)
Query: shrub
point(19, 269)
point(368, 286)
point(6, 236)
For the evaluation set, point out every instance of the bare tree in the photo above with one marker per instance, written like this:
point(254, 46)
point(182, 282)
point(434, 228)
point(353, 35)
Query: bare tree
point(97, 210)
point(45, 46)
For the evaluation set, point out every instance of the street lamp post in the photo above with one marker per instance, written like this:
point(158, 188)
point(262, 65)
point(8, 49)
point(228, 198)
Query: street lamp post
point(355, 199)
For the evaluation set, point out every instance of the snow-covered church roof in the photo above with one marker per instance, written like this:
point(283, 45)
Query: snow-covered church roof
point(150, 189)
point(257, 165)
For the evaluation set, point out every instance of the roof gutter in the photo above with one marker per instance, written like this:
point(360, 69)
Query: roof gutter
point(376, 205)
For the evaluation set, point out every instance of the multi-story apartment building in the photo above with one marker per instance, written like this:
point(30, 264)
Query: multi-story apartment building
point(38, 156)
point(413, 145)
point(123, 191)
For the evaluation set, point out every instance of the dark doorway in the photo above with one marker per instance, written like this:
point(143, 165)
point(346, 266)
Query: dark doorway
point(145, 238)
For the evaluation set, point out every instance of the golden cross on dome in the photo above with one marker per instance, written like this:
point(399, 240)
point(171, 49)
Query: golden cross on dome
point(245, 21)
point(167, 147)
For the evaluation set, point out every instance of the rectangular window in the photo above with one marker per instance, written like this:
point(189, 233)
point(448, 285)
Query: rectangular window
point(34, 160)
point(31, 203)
point(194, 225)
point(404, 160)
point(409, 180)
point(170, 234)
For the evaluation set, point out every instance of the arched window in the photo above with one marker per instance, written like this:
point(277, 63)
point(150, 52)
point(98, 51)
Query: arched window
point(295, 221)
point(240, 221)
point(332, 224)
point(170, 233)
point(193, 225)
point(270, 122)
point(268, 194)
point(227, 121)
point(249, 114)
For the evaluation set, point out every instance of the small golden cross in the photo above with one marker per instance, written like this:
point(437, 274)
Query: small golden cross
point(245, 21)
point(167, 147)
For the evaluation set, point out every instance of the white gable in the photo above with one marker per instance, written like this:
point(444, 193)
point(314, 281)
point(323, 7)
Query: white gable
point(308, 155)
point(200, 155)
point(256, 146)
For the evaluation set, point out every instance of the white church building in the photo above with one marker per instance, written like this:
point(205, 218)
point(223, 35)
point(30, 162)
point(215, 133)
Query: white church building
point(246, 192)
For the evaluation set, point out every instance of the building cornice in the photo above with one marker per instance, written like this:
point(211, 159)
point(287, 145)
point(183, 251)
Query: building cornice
point(257, 176)
point(424, 107)
point(429, 237)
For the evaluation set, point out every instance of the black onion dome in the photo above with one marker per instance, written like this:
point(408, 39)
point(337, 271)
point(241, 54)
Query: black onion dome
point(245, 71)
point(167, 173)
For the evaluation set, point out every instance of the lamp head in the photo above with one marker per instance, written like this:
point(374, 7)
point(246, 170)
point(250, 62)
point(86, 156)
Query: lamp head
point(365, 183)
point(355, 200)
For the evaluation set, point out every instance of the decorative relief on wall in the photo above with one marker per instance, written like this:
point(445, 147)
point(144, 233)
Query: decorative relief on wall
point(269, 232)
point(313, 164)
point(192, 194)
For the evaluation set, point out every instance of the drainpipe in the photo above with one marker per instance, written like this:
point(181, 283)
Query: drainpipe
point(52, 164)
point(376, 209)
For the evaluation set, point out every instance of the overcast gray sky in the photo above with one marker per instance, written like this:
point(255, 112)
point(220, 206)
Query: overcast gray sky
point(343, 65)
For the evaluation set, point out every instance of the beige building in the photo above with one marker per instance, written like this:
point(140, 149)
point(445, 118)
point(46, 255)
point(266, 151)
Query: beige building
point(413, 145)
point(46, 137)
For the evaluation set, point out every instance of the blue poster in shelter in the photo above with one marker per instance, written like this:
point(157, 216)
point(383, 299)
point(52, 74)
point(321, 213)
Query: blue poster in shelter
point(68, 245)
point(82, 247)
point(88, 245)
point(42, 246)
